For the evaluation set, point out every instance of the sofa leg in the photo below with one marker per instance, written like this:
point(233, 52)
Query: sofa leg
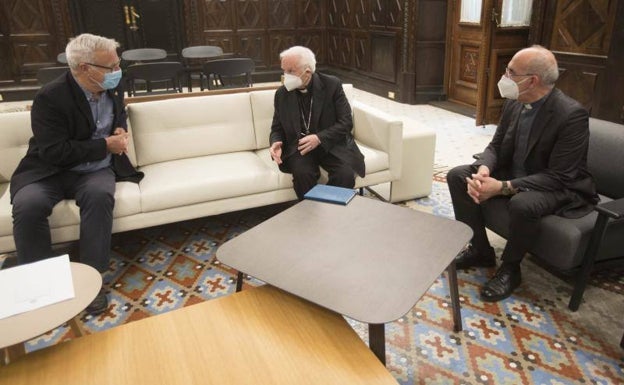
point(588, 261)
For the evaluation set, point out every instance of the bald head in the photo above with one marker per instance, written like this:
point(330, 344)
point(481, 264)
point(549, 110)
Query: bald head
point(539, 61)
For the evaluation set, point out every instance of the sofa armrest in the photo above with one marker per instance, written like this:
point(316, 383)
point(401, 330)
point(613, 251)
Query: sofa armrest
point(613, 209)
point(381, 131)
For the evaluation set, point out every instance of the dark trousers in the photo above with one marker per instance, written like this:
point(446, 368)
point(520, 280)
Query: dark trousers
point(525, 210)
point(306, 172)
point(94, 194)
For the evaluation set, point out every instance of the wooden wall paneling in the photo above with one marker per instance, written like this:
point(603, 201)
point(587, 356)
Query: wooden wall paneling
point(384, 48)
point(192, 12)
point(35, 32)
point(609, 96)
point(578, 77)
point(7, 64)
point(315, 40)
point(583, 26)
point(361, 51)
point(217, 15)
point(253, 45)
point(427, 60)
point(282, 14)
point(278, 42)
point(252, 15)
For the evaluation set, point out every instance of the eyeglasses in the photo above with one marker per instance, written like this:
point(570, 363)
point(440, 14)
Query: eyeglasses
point(111, 69)
point(510, 73)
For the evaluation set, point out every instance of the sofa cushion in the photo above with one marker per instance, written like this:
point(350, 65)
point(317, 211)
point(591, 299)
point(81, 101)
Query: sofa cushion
point(284, 180)
point(183, 128)
point(202, 179)
point(66, 213)
point(16, 132)
point(262, 108)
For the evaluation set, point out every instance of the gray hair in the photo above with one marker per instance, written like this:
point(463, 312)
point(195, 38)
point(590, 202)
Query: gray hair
point(81, 48)
point(305, 55)
point(544, 65)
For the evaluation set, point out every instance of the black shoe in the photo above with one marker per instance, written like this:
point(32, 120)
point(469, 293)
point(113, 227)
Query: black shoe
point(504, 282)
point(98, 305)
point(470, 257)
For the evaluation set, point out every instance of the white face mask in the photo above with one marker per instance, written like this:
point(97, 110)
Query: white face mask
point(508, 88)
point(292, 82)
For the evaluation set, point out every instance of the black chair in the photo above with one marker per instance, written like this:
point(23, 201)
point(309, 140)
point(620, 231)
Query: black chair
point(167, 73)
point(229, 73)
point(46, 74)
point(193, 57)
point(140, 55)
point(576, 245)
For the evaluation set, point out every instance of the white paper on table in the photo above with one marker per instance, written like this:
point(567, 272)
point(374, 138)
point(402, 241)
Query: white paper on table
point(35, 285)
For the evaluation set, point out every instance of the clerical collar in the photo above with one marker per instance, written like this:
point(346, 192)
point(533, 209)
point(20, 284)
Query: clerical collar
point(536, 104)
point(307, 89)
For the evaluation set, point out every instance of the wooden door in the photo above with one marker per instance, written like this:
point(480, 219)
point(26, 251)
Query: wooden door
point(469, 39)
point(509, 30)
point(483, 41)
point(133, 23)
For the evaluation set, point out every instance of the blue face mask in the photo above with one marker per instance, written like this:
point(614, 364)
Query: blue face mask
point(111, 80)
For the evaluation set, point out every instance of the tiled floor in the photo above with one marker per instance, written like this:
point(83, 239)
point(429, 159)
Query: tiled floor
point(457, 137)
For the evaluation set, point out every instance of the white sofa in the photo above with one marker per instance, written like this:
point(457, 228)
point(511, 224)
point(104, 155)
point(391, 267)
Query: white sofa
point(208, 155)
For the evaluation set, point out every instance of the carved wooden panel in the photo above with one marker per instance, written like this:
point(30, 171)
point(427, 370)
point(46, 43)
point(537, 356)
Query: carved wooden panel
point(310, 13)
point(383, 60)
point(339, 13)
point(387, 13)
point(314, 41)
point(361, 14)
point(250, 14)
point(578, 83)
point(469, 62)
point(253, 46)
point(34, 32)
point(583, 26)
point(280, 14)
point(217, 14)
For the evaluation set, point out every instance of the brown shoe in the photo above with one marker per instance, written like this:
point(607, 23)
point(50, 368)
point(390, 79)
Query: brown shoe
point(470, 257)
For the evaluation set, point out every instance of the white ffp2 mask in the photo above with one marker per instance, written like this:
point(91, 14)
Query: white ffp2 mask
point(292, 82)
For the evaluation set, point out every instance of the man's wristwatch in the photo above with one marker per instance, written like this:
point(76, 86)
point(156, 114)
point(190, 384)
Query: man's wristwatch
point(506, 189)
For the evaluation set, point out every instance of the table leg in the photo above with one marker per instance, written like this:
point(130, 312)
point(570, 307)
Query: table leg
point(75, 327)
point(377, 341)
point(14, 351)
point(239, 281)
point(451, 271)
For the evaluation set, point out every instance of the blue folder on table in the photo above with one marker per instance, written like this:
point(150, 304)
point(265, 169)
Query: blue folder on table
point(330, 194)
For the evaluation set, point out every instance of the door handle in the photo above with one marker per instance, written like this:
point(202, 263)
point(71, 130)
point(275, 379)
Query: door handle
point(133, 16)
point(496, 17)
point(127, 14)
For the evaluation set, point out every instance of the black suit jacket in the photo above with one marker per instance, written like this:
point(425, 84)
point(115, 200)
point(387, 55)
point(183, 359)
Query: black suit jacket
point(556, 154)
point(62, 126)
point(331, 121)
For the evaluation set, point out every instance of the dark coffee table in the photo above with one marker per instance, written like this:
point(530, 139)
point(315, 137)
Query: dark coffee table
point(369, 260)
